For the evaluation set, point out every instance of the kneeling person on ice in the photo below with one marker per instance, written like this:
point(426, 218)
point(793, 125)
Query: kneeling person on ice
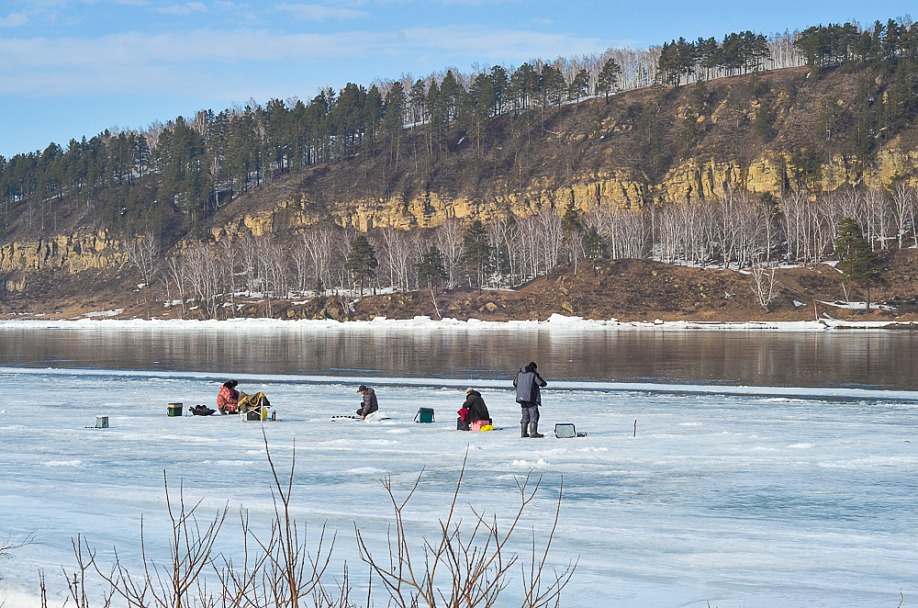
point(475, 410)
point(369, 404)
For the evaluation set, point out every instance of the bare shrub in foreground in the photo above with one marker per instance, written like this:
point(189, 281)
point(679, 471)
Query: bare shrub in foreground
point(175, 582)
point(463, 565)
point(292, 573)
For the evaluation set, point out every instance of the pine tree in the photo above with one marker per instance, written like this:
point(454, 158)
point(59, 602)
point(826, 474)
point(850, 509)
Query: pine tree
point(476, 253)
point(859, 263)
point(393, 120)
point(361, 261)
point(593, 244)
point(572, 227)
point(579, 86)
point(608, 80)
point(431, 269)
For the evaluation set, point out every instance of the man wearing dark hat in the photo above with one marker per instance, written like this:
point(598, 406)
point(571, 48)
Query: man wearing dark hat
point(528, 385)
point(369, 404)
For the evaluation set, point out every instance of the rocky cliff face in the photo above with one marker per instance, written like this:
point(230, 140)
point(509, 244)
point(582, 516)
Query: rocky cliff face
point(695, 179)
point(68, 253)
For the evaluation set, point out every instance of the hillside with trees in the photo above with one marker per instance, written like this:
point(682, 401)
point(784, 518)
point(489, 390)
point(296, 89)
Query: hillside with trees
point(741, 154)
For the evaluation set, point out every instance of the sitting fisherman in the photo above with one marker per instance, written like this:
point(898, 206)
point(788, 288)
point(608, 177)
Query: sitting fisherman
point(228, 398)
point(232, 401)
point(369, 404)
point(472, 411)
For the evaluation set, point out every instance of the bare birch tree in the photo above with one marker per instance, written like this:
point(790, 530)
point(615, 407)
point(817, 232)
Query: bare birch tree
point(528, 248)
point(764, 286)
point(793, 208)
point(501, 235)
point(624, 230)
point(742, 224)
point(323, 246)
point(273, 273)
point(302, 268)
point(448, 240)
point(879, 217)
point(204, 272)
point(143, 253)
point(398, 257)
point(551, 238)
point(175, 279)
point(904, 210)
point(228, 252)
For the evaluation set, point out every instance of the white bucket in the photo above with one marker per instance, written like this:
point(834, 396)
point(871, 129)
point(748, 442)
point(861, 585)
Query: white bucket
point(565, 430)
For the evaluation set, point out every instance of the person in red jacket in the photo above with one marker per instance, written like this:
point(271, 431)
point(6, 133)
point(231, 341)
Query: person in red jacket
point(228, 398)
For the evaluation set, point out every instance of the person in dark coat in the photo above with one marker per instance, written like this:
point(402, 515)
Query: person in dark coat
point(369, 404)
point(475, 410)
point(528, 385)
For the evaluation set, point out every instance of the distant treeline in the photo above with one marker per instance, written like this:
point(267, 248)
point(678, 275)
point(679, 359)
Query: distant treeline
point(819, 46)
point(169, 178)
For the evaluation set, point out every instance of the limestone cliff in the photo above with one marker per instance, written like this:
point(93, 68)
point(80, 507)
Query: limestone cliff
point(69, 253)
point(694, 179)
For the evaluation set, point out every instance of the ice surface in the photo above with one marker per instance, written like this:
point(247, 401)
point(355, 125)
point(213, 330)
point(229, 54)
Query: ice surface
point(723, 497)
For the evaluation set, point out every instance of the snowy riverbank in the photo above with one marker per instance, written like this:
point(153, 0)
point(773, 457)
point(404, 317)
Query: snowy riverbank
point(100, 320)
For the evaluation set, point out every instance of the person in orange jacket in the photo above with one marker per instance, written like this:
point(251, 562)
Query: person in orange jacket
point(228, 398)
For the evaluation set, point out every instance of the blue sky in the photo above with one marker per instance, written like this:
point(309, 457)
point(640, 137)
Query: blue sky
point(73, 68)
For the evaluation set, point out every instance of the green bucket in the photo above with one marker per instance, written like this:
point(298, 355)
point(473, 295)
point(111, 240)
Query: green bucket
point(425, 414)
point(174, 409)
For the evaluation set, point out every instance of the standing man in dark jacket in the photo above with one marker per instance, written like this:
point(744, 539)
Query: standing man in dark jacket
point(369, 404)
point(528, 385)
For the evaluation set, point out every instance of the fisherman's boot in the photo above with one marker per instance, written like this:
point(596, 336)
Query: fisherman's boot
point(523, 432)
point(534, 430)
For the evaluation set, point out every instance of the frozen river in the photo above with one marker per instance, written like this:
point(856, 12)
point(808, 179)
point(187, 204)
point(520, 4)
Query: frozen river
point(687, 490)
